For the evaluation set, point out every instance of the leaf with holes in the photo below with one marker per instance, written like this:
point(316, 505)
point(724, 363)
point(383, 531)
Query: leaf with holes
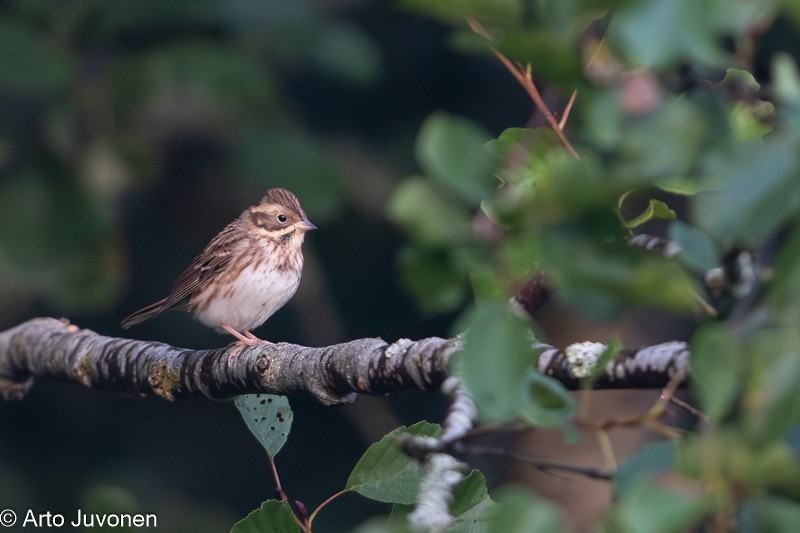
point(269, 418)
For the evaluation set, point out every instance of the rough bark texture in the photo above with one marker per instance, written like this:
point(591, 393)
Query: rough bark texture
point(46, 347)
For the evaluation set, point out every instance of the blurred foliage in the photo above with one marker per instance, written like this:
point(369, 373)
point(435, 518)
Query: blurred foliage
point(675, 98)
point(92, 93)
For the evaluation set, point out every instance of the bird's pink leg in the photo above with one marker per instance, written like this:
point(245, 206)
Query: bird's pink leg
point(243, 339)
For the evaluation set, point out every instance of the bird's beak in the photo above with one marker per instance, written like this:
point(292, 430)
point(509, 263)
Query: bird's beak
point(304, 225)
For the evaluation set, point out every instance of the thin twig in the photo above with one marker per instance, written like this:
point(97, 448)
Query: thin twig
point(565, 115)
point(523, 76)
point(538, 463)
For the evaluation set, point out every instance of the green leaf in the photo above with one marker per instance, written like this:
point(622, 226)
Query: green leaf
point(664, 143)
point(656, 209)
point(495, 360)
point(698, 250)
point(772, 513)
point(272, 517)
point(432, 278)
point(451, 150)
point(519, 511)
point(432, 218)
point(716, 364)
point(651, 458)
point(759, 192)
point(644, 32)
point(784, 290)
point(773, 405)
point(268, 417)
point(648, 507)
point(549, 403)
point(385, 473)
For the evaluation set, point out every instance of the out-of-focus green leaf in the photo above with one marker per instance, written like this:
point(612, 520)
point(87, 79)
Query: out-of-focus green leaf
point(644, 32)
point(647, 507)
point(784, 289)
point(728, 455)
point(664, 143)
point(600, 279)
point(431, 278)
point(716, 367)
point(272, 517)
point(268, 417)
point(772, 402)
point(29, 61)
point(651, 458)
point(385, 473)
point(770, 513)
point(698, 250)
point(519, 511)
point(496, 357)
point(451, 150)
point(548, 402)
point(429, 216)
point(555, 57)
point(759, 191)
point(656, 209)
point(786, 86)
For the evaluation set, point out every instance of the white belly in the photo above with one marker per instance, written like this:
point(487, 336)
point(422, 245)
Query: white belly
point(257, 296)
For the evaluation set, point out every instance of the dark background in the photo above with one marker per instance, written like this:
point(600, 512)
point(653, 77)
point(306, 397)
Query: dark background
point(130, 134)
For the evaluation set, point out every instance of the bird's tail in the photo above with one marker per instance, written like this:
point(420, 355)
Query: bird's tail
point(145, 313)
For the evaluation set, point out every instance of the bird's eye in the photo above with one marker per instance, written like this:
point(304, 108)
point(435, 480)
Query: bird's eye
point(282, 218)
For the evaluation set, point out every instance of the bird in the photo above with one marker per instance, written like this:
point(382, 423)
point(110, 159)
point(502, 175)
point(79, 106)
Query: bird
point(245, 274)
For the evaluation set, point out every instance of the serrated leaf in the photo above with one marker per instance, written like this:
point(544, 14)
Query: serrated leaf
point(716, 365)
point(496, 356)
point(697, 249)
point(269, 418)
point(385, 473)
point(272, 517)
point(656, 209)
point(451, 150)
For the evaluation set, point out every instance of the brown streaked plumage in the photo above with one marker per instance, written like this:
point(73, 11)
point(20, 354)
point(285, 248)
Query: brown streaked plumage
point(246, 273)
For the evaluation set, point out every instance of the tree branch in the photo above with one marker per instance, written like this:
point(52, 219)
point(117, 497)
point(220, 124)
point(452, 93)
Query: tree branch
point(332, 374)
point(46, 347)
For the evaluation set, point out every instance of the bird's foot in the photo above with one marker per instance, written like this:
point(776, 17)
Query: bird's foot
point(244, 339)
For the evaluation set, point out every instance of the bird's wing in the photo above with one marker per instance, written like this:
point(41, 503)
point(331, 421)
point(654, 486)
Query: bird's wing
point(213, 260)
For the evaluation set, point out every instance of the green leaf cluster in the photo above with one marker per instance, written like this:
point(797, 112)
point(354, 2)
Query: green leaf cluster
point(680, 133)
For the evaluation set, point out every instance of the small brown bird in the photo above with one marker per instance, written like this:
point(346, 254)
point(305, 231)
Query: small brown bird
point(245, 274)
